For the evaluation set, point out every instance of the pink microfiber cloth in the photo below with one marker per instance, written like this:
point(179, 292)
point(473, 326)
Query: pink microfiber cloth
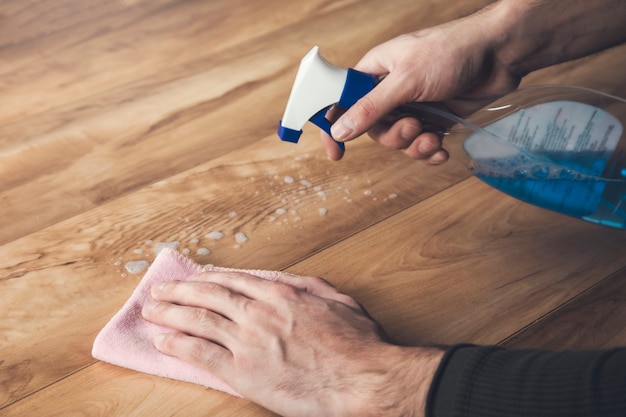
point(127, 340)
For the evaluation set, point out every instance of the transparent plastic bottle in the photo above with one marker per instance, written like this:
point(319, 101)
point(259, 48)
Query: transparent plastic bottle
point(557, 147)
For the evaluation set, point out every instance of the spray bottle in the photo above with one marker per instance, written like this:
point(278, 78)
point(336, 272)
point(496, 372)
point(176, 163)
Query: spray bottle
point(557, 147)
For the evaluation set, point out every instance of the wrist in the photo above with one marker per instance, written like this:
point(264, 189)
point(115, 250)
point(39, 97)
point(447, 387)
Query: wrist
point(514, 43)
point(404, 383)
point(418, 372)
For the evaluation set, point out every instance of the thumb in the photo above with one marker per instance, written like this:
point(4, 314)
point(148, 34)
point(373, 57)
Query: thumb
point(359, 118)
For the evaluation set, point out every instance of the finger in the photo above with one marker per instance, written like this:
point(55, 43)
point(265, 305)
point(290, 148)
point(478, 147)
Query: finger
point(256, 288)
point(398, 135)
point(201, 294)
point(235, 282)
point(214, 358)
point(309, 284)
point(371, 108)
point(438, 158)
point(427, 147)
point(333, 151)
point(195, 321)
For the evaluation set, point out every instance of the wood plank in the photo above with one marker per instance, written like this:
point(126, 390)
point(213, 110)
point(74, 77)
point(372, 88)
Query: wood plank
point(488, 268)
point(124, 47)
point(77, 266)
point(175, 116)
point(131, 123)
point(31, 21)
point(66, 161)
point(106, 390)
point(593, 320)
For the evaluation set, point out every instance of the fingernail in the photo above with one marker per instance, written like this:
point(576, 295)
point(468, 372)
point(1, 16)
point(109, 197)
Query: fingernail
point(342, 128)
point(158, 341)
point(157, 288)
point(426, 148)
point(438, 159)
point(148, 306)
point(409, 132)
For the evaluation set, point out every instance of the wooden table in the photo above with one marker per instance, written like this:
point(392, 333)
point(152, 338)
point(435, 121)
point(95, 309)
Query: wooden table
point(124, 124)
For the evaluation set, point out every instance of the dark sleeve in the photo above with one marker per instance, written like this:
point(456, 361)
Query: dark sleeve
point(495, 382)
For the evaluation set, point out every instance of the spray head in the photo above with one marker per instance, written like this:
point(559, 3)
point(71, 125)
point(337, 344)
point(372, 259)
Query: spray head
point(319, 85)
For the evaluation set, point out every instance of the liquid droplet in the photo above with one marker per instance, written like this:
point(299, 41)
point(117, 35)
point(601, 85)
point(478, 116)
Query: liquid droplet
point(541, 171)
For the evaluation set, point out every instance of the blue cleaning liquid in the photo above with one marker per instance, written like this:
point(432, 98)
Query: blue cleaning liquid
point(601, 202)
point(573, 165)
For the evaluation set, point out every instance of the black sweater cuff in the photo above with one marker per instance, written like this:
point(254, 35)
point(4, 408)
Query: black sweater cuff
point(492, 381)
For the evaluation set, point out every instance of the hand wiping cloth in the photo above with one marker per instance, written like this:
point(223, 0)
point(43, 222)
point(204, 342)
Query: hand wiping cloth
point(127, 340)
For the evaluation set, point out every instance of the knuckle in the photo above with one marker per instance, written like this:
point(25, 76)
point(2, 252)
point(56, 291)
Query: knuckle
point(364, 110)
point(156, 309)
point(208, 287)
point(285, 290)
point(396, 142)
point(201, 317)
point(319, 282)
point(414, 154)
point(253, 308)
point(197, 349)
point(392, 141)
point(190, 349)
point(349, 301)
point(170, 342)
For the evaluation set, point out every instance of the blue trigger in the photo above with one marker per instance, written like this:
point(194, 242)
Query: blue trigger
point(319, 119)
point(357, 85)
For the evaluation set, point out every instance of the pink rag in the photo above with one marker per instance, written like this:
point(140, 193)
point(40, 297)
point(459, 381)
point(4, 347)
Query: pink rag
point(127, 339)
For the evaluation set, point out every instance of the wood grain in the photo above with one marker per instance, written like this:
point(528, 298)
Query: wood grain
point(181, 114)
point(79, 262)
point(490, 266)
point(128, 123)
point(589, 321)
point(104, 391)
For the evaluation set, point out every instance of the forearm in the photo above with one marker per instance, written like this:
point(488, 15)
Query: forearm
point(533, 34)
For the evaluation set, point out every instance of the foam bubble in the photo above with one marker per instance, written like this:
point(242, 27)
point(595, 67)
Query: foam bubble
point(136, 267)
point(214, 235)
point(203, 251)
point(241, 237)
point(162, 245)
